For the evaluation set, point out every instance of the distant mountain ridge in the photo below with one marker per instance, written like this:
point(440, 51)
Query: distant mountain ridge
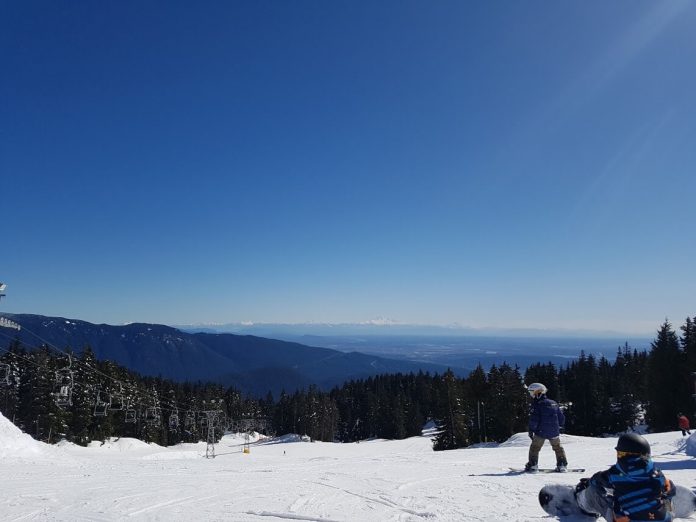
point(253, 364)
point(381, 326)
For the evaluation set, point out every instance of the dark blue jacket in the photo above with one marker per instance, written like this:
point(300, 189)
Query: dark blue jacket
point(640, 490)
point(545, 418)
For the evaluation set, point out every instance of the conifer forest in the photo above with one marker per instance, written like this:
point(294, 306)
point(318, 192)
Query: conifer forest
point(60, 394)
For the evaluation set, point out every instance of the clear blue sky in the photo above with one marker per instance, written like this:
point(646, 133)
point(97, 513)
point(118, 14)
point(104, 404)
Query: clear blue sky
point(521, 164)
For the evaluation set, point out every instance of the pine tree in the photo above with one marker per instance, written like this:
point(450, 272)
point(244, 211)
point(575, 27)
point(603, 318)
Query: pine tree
point(452, 422)
point(14, 358)
point(668, 391)
point(581, 384)
point(507, 403)
point(545, 374)
point(624, 396)
point(688, 343)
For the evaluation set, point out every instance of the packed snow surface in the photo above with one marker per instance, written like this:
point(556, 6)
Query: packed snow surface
point(290, 479)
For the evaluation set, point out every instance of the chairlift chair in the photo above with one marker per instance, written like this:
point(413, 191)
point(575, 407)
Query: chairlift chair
point(152, 416)
point(131, 415)
point(102, 402)
point(63, 388)
point(117, 402)
point(5, 373)
point(174, 420)
point(6, 323)
point(190, 419)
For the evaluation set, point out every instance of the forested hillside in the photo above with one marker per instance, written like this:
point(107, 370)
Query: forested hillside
point(252, 364)
point(53, 394)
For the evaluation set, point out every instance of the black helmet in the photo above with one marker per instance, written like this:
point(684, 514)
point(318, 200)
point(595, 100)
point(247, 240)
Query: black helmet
point(633, 443)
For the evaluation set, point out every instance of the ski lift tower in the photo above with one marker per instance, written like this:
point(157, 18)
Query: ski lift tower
point(212, 418)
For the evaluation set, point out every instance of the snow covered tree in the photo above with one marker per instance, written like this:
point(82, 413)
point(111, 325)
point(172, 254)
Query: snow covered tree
point(14, 361)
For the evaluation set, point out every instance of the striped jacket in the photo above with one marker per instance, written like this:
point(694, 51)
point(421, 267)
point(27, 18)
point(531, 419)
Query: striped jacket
point(640, 490)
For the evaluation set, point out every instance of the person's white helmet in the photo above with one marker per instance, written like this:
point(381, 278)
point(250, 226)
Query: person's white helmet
point(536, 389)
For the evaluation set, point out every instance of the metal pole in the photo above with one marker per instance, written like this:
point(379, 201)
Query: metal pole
point(478, 419)
point(693, 378)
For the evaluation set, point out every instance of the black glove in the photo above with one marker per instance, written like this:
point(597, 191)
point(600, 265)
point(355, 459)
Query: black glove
point(583, 484)
point(531, 434)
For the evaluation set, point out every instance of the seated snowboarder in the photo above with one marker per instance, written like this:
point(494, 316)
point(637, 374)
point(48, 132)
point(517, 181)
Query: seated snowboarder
point(636, 488)
point(545, 422)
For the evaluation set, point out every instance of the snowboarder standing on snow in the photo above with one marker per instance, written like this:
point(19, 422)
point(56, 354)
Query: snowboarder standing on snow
point(639, 490)
point(683, 424)
point(545, 422)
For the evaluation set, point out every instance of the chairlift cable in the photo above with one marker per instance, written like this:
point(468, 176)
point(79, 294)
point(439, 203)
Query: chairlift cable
point(88, 366)
point(134, 389)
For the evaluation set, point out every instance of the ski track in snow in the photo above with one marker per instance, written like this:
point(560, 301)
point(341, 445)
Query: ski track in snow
point(373, 481)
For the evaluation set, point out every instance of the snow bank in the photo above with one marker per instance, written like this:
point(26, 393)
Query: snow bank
point(14, 443)
point(121, 444)
point(518, 439)
point(290, 437)
point(691, 445)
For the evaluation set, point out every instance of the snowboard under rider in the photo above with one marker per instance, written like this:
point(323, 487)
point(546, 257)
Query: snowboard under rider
point(545, 423)
point(638, 490)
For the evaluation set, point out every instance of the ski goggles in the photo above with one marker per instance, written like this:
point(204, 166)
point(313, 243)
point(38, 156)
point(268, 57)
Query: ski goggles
point(622, 454)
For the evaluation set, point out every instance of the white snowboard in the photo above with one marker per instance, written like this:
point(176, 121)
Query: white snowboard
point(591, 503)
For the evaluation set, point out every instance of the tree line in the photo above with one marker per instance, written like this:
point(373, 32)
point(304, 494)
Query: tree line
point(107, 400)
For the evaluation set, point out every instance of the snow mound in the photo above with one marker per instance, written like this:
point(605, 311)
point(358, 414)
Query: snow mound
point(15, 443)
point(253, 436)
point(518, 439)
point(121, 444)
point(292, 437)
point(691, 445)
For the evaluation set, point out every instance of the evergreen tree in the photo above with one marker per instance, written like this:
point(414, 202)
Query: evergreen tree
point(581, 384)
point(625, 397)
point(451, 421)
point(14, 358)
point(507, 403)
point(688, 343)
point(476, 389)
point(668, 391)
point(545, 374)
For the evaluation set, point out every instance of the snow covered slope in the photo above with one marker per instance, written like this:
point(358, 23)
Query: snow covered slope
point(288, 479)
point(18, 446)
